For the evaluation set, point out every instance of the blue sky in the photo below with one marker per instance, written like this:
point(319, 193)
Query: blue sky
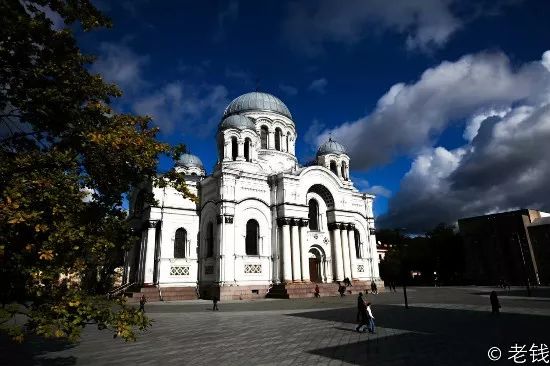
point(397, 82)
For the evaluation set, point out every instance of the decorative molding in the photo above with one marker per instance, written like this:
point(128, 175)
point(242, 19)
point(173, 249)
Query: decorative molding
point(152, 223)
point(228, 219)
point(372, 231)
point(282, 221)
point(219, 219)
point(252, 268)
point(360, 268)
point(179, 271)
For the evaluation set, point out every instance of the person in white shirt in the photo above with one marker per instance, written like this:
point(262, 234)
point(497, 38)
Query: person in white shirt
point(370, 325)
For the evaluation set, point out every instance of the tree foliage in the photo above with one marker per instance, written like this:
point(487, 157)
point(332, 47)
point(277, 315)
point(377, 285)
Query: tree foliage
point(66, 161)
point(439, 250)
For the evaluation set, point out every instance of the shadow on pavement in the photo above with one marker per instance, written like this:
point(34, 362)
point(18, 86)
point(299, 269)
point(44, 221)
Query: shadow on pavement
point(30, 351)
point(435, 336)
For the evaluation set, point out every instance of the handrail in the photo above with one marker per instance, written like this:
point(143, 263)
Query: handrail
point(116, 291)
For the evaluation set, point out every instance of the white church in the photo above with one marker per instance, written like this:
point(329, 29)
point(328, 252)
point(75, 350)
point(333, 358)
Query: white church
point(263, 224)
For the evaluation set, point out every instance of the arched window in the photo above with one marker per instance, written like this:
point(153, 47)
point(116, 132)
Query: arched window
point(344, 171)
point(333, 167)
point(247, 143)
point(278, 135)
point(263, 136)
point(179, 243)
point(234, 148)
point(313, 214)
point(210, 240)
point(357, 243)
point(252, 237)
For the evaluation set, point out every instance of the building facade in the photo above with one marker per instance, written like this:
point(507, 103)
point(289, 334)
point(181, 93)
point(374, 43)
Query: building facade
point(500, 247)
point(261, 218)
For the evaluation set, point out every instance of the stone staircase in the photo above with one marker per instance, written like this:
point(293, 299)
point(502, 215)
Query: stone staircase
point(178, 293)
point(301, 290)
point(151, 294)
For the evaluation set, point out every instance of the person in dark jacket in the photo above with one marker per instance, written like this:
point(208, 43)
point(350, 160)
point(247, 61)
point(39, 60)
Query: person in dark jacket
point(495, 304)
point(142, 301)
point(362, 316)
point(215, 302)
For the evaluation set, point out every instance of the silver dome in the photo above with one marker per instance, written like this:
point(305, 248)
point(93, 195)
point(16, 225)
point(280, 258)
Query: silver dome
point(189, 161)
point(331, 147)
point(238, 122)
point(257, 101)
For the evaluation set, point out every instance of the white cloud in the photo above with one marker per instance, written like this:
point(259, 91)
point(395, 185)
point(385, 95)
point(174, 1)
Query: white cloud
point(409, 116)
point(183, 108)
point(363, 185)
point(504, 167)
point(546, 60)
point(424, 24)
point(318, 86)
point(288, 89)
point(118, 64)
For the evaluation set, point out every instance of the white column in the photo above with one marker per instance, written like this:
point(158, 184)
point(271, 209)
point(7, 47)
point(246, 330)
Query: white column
point(150, 252)
point(271, 140)
point(345, 252)
point(304, 250)
point(337, 253)
point(284, 143)
point(227, 151)
point(286, 261)
point(240, 150)
point(352, 254)
point(296, 258)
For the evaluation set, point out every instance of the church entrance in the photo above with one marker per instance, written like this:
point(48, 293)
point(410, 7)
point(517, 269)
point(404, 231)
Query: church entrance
point(316, 264)
point(314, 274)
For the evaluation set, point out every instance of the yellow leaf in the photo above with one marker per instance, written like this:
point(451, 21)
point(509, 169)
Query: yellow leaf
point(46, 255)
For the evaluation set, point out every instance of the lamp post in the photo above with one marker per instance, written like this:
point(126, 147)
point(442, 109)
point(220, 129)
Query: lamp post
point(403, 266)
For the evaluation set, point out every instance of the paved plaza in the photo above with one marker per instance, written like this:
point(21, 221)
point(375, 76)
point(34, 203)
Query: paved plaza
point(443, 326)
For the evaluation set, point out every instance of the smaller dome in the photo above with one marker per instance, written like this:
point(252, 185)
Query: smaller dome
point(331, 147)
point(237, 121)
point(189, 161)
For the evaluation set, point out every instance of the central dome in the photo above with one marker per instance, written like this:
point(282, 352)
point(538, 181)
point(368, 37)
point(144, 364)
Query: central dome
point(257, 101)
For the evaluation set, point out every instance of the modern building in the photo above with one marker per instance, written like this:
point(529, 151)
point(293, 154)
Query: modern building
point(261, 222)
point(501, 247)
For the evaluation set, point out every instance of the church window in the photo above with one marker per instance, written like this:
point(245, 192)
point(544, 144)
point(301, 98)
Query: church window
point(247, 143)
point(234, 148)
point(252, 237)
point(288, 142)
point(333, 167)
point(263, 136)
point(210, 240)
point(313, 214)
point(278, 135)
point(179, 243)
point(344, 171)
point(357, 243)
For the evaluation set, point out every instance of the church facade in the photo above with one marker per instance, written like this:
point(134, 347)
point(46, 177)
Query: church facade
point(261, 219)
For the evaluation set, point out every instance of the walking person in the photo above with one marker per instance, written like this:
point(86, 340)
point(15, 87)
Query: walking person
point(142, 301)
point(373, 288)
point(495, 304)
point(317, 294)
point(362, 316)
point(215, 302)
point(370, 325)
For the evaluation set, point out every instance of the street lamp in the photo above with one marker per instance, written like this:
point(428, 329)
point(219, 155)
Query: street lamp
point(404, 274)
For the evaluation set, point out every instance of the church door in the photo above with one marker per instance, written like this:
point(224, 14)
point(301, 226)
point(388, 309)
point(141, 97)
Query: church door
point(314, 266)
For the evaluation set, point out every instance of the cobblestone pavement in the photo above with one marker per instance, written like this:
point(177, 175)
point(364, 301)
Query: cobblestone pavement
point(444, 326)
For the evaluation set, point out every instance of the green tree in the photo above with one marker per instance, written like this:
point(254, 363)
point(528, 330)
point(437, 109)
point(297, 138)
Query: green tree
point(66, 161)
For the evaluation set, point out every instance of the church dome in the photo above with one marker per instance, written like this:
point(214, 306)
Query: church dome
point(189, 161)
point(331, 147)
point(257, 101)
point(238, 122)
